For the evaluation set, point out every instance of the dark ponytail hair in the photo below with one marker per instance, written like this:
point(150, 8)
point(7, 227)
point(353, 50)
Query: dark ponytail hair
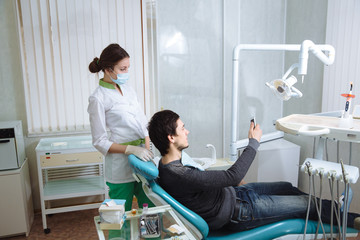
point(111, 55)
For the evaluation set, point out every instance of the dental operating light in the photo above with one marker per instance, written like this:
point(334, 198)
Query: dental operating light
point(283, 88)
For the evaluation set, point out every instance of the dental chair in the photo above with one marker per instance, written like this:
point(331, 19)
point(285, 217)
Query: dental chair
point(147, 173)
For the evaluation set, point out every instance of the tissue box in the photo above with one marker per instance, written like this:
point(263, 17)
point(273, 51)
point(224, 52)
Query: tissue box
point(112, 214)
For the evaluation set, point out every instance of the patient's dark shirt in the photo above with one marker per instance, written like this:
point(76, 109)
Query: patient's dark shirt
point(208, 193)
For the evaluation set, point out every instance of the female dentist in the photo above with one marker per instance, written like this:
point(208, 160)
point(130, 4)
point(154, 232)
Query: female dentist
point(114, 105)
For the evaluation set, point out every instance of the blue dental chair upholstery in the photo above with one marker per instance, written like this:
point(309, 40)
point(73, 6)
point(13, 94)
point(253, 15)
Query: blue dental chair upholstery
point(147, 173)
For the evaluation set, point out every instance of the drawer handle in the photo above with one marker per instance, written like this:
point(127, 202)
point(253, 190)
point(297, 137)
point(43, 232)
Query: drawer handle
point(4, 141)
point(72, 160)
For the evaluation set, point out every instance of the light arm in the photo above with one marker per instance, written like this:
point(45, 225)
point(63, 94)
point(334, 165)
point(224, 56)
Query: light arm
point(317, 50)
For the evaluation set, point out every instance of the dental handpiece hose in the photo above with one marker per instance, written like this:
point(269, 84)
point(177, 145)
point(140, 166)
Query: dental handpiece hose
point(308, 169)
point(346, 182)
point(318, 205)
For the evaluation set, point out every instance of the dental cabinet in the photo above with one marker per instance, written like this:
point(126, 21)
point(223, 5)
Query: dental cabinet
point(69, 167)
point(16, 206)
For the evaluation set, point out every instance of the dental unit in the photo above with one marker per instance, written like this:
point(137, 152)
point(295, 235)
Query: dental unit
point(283, 88)
point(334, 172)
point(325, 127)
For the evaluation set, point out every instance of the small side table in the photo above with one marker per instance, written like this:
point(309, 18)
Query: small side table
point(131, 225)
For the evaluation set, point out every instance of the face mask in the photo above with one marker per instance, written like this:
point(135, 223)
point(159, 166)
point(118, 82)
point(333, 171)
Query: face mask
point(121, 78)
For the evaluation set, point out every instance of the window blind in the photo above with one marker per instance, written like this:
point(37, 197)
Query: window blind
point(59, 38)
point(343, 32)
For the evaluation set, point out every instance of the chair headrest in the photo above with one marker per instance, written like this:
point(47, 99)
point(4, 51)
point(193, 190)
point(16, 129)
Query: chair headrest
point(146, 169)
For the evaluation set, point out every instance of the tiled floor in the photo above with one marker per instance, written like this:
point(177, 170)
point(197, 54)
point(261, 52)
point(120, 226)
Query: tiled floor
point(72, 225)
point(77, 225)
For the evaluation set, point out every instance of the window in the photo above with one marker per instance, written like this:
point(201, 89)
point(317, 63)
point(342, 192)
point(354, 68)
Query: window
point(58, 41)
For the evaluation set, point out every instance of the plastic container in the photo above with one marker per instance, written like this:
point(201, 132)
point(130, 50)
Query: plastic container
point(145, 208)
point(150, 226)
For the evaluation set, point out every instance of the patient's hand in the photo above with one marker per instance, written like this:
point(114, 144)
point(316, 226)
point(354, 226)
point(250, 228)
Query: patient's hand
point(255, 132)
point(242, 182)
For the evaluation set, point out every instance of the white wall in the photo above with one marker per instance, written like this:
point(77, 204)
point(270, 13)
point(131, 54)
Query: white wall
point(12, 103)
point(195, 47)
point(306, 20)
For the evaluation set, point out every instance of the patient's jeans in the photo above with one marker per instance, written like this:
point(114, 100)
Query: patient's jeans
point(263, 203)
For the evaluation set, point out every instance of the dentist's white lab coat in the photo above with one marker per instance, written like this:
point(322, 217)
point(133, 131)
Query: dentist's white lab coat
point(125, 119)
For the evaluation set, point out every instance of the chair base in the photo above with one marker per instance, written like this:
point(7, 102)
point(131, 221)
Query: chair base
point(286, 229)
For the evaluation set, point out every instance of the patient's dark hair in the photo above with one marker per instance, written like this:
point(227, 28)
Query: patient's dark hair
point(161, 125)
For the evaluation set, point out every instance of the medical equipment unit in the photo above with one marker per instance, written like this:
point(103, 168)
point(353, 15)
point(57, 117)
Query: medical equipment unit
point(69, 167)
point(147, 172)
point(348, 96)
point(283, 88)
point(12, 146)
point(346, 120)
point(326, 127)
point(330, 127)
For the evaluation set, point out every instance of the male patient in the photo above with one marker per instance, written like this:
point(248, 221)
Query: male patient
point(215, 195)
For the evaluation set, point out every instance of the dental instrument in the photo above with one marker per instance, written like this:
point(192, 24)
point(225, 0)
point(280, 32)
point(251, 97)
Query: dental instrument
point(308, 167)
point(319, 206)
point(331, 178)
point(334, 171)
point(346, 197)
point(283, 88)
point(346, 120)
point(351, 173)
point(348, 96)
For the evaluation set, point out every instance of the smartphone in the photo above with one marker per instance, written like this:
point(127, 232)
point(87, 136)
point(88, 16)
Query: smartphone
point(253, 120)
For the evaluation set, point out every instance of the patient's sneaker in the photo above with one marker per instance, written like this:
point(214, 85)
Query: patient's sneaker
point(357, 223)
point(342, 198)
